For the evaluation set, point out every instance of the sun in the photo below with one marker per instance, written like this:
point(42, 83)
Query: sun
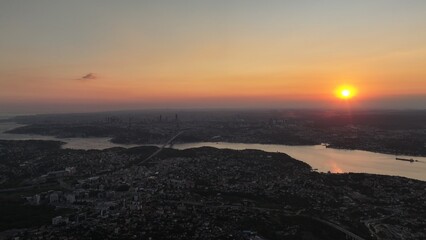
point(345, 92)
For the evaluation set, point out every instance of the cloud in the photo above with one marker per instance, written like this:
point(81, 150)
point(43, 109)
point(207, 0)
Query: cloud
point(89, 76)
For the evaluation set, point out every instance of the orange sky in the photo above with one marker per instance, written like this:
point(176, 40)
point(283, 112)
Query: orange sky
point(244, 53)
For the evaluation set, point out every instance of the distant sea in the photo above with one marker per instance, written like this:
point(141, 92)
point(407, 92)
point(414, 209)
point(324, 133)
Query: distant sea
point(6, 116)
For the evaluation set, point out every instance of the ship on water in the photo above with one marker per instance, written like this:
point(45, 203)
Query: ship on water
point(407, 159)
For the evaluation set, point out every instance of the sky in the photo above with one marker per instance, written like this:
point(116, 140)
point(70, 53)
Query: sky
point(94, 55)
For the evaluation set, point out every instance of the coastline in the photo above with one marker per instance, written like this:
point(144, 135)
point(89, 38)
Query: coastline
point(113, 140)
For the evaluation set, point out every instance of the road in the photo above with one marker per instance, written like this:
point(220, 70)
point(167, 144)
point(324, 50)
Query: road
point(349, 235)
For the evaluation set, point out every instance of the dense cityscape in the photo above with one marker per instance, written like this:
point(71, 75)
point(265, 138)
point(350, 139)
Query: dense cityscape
point(48, 192)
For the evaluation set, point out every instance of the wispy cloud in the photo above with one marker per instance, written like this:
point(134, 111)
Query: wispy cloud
point(89, 76)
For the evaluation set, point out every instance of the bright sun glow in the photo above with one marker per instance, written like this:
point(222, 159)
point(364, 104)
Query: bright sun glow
point(345, 92)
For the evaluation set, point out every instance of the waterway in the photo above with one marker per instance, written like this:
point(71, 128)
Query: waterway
point(319, 157)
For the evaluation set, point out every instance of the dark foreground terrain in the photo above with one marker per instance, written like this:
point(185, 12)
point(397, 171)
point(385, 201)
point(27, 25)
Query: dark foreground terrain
point(205, 193)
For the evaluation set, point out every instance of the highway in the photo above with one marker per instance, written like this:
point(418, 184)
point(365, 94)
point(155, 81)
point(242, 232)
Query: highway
point(349, 235)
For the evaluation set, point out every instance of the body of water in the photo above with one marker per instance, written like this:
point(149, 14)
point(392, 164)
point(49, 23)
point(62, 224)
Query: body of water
point(335, 160)
point(72, 143)
point(319, 157)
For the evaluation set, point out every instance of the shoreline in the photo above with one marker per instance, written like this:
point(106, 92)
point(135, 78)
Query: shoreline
point(112, 140)
point(63, 144)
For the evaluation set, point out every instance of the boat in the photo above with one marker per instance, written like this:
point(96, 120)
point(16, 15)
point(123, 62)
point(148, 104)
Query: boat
point(407, 159)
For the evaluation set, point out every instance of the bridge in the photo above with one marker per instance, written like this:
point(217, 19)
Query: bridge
point(348, 235)
point(169, 142)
